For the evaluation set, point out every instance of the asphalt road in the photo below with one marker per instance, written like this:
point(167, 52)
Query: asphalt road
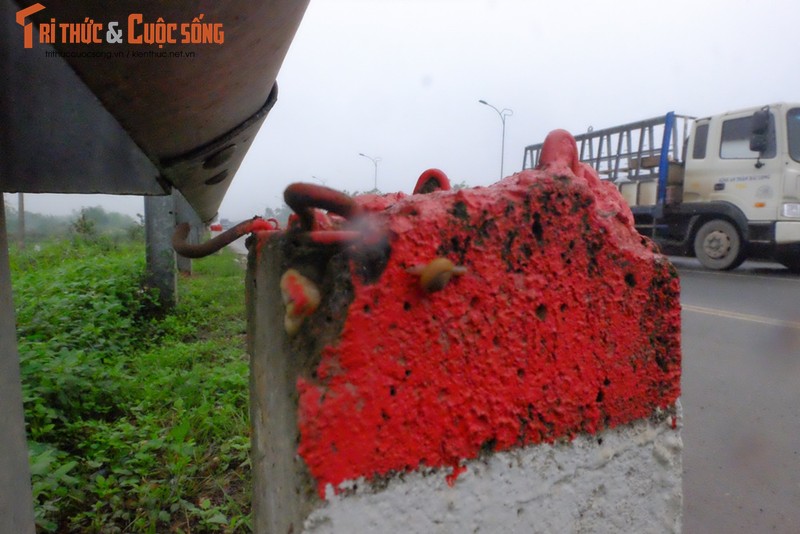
point(741, 399)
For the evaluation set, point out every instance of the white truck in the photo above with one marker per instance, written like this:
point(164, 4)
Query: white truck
point(723, 188)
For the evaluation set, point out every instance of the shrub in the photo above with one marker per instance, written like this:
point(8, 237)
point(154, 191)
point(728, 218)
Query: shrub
point(135, 422)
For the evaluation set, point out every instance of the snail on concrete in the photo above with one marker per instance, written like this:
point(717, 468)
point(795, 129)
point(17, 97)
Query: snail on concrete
point(436, 274)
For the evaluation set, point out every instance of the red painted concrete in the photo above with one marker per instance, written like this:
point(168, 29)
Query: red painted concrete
point(564, 322)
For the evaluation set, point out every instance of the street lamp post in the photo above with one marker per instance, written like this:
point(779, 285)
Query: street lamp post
point(505, 112)
point(374, 162)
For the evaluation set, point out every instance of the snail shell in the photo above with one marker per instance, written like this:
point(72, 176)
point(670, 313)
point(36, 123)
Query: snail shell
point(437, 273)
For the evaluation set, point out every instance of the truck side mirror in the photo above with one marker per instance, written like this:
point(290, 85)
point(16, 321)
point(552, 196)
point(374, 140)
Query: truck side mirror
point(759, 130)
point(758, 142)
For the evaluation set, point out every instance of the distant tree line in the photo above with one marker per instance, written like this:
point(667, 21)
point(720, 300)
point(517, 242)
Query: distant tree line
point(91, 221)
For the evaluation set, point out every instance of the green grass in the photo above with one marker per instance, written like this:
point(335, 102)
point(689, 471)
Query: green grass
point(137, 421)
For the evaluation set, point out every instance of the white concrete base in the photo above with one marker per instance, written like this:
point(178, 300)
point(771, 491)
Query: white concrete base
point(622, 480)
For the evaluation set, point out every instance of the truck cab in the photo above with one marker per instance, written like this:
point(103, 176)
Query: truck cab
point(747, 162)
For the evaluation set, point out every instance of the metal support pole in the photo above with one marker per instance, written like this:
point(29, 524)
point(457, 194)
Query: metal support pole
point(184, 213)
point(503, 146)
point(16, 501)
point(159, 223)
point(21, 221)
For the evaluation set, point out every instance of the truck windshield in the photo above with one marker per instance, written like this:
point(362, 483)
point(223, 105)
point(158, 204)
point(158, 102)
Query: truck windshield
point(793, 127)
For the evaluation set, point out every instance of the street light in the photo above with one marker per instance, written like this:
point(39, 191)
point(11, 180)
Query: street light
point(374, 162)
point(505, 112)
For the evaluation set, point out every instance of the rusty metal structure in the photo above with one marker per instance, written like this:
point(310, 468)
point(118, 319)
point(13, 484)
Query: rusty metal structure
point(120, 115)
point(134, 98)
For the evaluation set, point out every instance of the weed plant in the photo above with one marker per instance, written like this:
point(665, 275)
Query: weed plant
point(137, 420)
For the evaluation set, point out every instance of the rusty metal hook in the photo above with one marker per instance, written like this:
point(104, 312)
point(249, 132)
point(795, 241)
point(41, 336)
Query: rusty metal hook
point(304, 197)
point(188, 250)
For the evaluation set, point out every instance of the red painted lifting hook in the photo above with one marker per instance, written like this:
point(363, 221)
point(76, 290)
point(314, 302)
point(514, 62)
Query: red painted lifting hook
point(188, 250)
point(430, 181)
point(304, 197)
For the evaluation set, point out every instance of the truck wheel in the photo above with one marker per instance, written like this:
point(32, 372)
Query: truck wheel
point(718, 246)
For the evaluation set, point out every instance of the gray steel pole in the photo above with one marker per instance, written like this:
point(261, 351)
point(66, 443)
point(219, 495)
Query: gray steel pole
point(159, 224)
point(21, 221)
point(505, 112)
point(16, 498)
point(184, 213)
point(374, 162)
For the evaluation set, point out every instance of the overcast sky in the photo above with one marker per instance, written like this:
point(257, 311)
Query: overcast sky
point(401, 80)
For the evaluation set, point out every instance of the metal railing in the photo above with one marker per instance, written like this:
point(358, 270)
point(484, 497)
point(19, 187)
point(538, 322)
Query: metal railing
point(629, 152)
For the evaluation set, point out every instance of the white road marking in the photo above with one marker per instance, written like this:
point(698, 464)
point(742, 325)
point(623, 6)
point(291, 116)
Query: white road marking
point(741, 316)
point(780, 277)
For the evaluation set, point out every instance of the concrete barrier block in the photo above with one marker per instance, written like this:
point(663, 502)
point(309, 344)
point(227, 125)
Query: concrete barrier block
point(542, 381)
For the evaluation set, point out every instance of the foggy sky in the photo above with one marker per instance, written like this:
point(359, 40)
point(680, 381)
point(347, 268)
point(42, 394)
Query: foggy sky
point(401, 80)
